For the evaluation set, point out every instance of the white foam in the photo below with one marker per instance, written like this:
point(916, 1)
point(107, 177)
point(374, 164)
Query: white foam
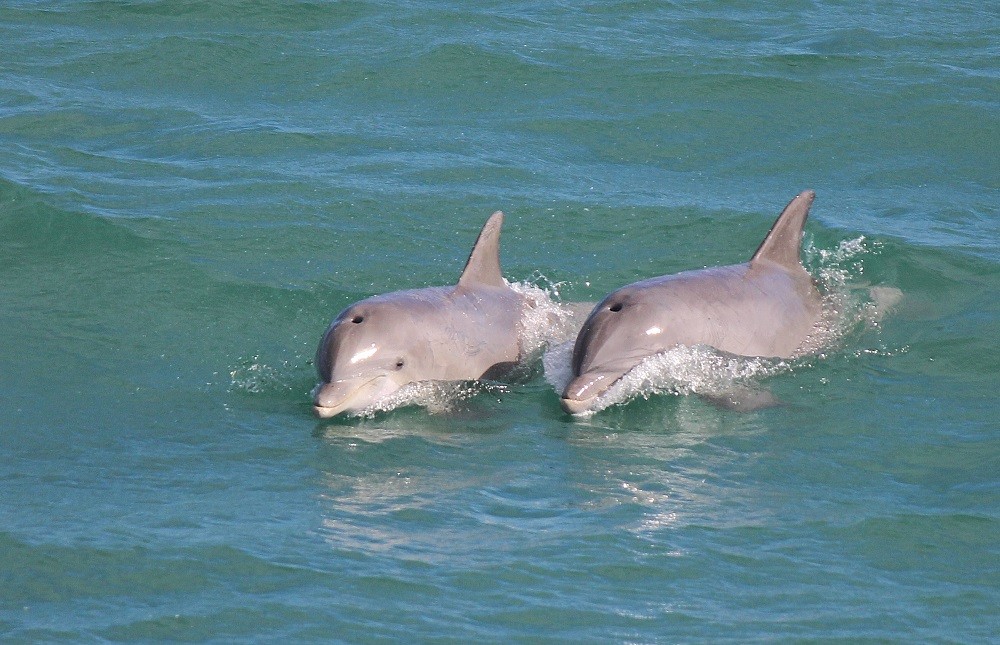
point(690, 370)
point(437, 397)
point(254, 376)
point(557, 363)
point(546, 320)
point(849, 303)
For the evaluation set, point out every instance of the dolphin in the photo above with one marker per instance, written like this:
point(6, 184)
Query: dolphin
point(468, 331)
point(766, 307)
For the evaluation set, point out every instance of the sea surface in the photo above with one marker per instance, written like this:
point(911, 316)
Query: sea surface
point(190, 192)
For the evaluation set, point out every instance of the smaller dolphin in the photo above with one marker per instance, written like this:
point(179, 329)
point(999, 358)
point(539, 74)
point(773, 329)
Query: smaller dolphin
point(464, 332)
point(766, 307)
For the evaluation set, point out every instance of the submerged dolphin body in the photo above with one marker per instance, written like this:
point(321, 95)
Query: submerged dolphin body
point(766, 307)
point(464, 332)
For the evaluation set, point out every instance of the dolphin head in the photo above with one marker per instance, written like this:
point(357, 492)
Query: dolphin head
point(363, 356)
point(620, 332)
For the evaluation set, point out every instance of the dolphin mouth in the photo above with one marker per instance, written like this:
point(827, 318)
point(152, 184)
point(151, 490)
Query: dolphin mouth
point(581, 394)
point(352, 395)
point(326, 412)
point(577, 407)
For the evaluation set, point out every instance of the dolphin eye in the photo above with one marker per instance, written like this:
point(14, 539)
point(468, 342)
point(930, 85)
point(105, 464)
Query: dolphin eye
point(615, 307)
point(399, 363)
point(357, 319)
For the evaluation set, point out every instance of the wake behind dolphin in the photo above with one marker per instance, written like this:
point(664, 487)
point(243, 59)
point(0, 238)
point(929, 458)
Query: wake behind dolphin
point(768, 307)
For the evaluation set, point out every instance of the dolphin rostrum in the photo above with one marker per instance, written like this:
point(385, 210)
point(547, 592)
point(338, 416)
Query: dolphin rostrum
point(766, 307)
point(464, 332)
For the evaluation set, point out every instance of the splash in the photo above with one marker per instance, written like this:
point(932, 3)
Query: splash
point(256, 377)
point(699, 370)
point(849, 304)
point(437, 397)
point(733, 380)
point(680, 371)
point(547, 320)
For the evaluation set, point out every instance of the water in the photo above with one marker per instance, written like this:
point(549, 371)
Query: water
point(189, 192)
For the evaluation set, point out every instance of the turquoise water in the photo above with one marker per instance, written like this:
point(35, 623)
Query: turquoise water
point(190, 191)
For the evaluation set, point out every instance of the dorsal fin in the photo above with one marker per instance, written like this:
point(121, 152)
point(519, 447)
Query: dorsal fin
point(483, 267)
point(783, 243)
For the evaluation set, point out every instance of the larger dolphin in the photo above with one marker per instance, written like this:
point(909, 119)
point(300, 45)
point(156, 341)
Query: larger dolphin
point(768, 306)
point(467, 331)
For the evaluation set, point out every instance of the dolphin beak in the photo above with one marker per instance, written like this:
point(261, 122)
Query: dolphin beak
point(576, 407)
point(580, 395)
point(582, 392)
point(325, 412)
point(351, 395)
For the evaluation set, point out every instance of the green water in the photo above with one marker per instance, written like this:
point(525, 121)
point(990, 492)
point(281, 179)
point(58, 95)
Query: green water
point(189, 193)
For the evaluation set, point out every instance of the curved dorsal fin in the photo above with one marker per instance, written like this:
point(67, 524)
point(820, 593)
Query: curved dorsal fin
point(783, 243)
point(483, 267)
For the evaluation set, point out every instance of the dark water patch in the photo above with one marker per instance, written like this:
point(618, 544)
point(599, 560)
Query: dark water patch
point(951, 547)
point(182, 16)
point(947, 331)
point(271, 620)
point(38, 234)
point(49, 573)
point(44, 573)
point(181, 585)
point(234, 14)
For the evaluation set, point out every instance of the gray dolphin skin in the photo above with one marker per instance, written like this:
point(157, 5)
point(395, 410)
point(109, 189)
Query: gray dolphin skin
point(765, 307)
point(464, 332)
